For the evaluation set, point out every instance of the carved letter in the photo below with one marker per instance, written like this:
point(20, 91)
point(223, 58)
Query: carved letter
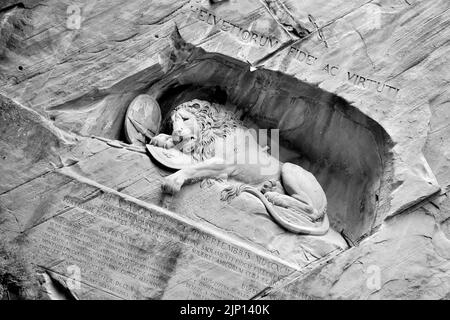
point(216, 21)
point(209, 20)
point(247, 37)
point(265, 42)
point(255, 37)
point(271, 43)
point(304, 56)
point(200, 12)
point(350, 78)
point(226, 25)
point(293, 50)
point(361, 81)
point(310, 62)
point(378, 87)
point(331, 70)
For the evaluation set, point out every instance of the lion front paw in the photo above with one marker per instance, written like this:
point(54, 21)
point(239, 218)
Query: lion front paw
point(163, 141)
point(172, 184)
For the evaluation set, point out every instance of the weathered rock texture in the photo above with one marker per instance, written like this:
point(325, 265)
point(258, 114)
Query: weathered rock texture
point(359, 91)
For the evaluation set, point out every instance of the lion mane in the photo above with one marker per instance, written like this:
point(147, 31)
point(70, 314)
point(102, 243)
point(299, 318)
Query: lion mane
point(216, 123)
point(213, 121)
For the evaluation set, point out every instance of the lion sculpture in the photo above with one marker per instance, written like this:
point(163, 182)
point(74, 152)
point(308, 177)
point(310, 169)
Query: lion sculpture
point(217, 141)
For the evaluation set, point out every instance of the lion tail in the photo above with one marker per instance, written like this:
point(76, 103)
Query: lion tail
point(293, 227)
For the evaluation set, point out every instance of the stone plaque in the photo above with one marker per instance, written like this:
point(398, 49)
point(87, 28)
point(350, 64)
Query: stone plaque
point(126, 249)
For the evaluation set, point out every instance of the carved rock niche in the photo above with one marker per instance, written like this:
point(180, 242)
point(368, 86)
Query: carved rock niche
point(348, 152)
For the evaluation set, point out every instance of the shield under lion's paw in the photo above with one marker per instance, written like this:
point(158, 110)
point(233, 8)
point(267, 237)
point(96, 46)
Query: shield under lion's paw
point(172, 184)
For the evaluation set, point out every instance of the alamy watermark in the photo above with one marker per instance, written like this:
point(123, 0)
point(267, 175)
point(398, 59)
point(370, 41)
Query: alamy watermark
point(249, 147)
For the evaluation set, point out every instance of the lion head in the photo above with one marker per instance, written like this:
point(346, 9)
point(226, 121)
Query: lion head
point(197, 124)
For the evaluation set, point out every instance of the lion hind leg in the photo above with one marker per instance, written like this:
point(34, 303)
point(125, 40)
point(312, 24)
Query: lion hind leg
point(313, 213)
point(293, 205)
point(291, 174)
point(294, 178)
point(293, 216)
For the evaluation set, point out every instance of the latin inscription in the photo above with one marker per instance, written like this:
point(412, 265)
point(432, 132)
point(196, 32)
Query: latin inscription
point(300, 55)
point(244, 35)
point(133, 252)
point(364, 82)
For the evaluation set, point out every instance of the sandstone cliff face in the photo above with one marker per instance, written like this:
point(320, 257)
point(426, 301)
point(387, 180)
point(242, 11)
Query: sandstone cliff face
point(358, 89)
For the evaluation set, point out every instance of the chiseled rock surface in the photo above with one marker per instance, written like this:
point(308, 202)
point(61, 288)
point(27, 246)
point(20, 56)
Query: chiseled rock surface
point(407, 259)
point(74, 72)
